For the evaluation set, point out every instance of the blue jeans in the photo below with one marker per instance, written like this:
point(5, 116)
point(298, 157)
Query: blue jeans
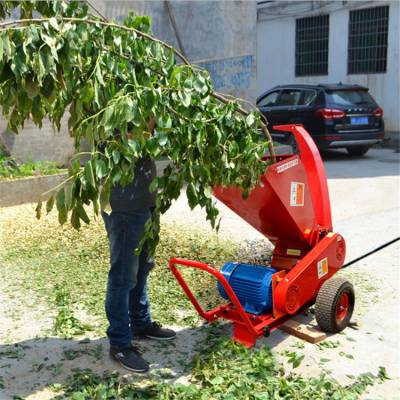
point(126, 299)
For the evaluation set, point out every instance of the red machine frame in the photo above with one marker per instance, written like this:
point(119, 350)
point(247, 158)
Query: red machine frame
point(291, 207)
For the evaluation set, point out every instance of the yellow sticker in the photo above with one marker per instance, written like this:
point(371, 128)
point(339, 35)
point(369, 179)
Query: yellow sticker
point(293, 252)
point(322, 267)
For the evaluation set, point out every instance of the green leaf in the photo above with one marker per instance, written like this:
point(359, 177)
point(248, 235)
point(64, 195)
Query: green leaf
point(200, 85)
point(105, 195)
point(68, 195)
point(1, 48)
point(101, 168)
point(219, 380)
point(50, 204)
point(153, 185)
point(87, 94)
point(207, 192)
point(89, 174)
point(54, 24)
point(60, 199)
point(250, 120)
point(188, 83)
point(162, 138)
point(75, 221)
point(191, 194)
point(117, 41)
point(171, 60)
point(99, 75)
point(82, 213)
point(116, 155)
point(382, 374)
point(186, 98)
point(164, 122)
point(297, 361)
point(130, 112)
point(38, 209)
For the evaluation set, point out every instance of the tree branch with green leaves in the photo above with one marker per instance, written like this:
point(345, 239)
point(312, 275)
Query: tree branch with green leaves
point(57, 60)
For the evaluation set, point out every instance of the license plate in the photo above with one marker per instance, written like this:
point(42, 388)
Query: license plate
point(359, 120)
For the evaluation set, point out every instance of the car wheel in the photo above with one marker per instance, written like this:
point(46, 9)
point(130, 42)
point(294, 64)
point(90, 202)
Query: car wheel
point(357, 150)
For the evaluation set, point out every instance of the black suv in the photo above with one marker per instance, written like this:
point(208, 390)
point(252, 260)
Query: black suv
point(335, 115)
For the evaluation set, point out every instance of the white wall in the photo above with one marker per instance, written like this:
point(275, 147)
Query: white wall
point(276, 55)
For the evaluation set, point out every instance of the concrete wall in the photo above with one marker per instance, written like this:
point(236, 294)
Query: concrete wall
point(29, 190)
point(218, 35)
point(276, 26)
point(37, 144)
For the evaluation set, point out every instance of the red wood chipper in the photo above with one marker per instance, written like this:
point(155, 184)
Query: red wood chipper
point(291, 208)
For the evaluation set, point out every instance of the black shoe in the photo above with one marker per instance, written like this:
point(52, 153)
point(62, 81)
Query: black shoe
point(129, 358)
point(154, 331)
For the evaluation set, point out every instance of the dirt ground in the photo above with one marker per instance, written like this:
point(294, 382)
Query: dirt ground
point(365, 196)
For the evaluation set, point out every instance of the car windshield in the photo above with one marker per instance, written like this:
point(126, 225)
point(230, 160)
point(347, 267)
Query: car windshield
point(349, 97)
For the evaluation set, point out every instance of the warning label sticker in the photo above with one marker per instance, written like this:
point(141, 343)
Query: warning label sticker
point(286, 166)
point(296, 194)
point(322, 267)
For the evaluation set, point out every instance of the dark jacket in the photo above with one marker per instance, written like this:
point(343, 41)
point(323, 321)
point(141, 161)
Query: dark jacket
point(136, 195)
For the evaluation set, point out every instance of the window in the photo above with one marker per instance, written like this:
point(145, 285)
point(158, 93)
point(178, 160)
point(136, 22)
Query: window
point(368, 38)
point(289, 97)
point(349, 97)
point(308, 97)
point(312, 38)
point(269, 100)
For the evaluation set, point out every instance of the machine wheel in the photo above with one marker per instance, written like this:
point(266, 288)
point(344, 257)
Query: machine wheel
point(357, 151)
point(334, 305)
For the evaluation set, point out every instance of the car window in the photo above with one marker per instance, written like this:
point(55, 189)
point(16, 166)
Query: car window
point(307, 97)
point(349, 97)
point(289, 97)
point(269, 99)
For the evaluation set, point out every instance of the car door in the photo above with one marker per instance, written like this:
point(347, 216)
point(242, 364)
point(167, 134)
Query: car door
point(304, 111)
point(267, 105)
point(284, 112)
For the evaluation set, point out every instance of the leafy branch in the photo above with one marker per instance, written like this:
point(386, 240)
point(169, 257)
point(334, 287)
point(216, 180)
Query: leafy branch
point(109, 77)
point(218, 96)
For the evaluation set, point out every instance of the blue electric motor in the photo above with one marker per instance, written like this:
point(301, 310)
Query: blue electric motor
point(252, 285)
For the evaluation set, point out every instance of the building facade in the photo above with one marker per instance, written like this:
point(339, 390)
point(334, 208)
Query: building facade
point(332, 41)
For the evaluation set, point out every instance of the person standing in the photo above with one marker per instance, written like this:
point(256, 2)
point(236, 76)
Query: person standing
point(127, 304)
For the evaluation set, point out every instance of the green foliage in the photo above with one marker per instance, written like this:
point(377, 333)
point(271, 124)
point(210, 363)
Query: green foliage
point(328, 344)
point(294, 358)
point(9, 169)
point(59, 256)
point(221, 370)
point(66, 324)
point(107, 77)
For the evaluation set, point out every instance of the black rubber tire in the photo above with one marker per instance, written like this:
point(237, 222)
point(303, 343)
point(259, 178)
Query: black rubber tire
point(327, 301)
point(357, 151)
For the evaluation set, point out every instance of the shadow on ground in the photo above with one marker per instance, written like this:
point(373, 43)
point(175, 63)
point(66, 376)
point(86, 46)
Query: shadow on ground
point(29, 367)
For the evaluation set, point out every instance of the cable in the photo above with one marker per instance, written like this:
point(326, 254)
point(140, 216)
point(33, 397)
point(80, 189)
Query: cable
point(90, 3)
point(174, 26)
point(371, 252)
